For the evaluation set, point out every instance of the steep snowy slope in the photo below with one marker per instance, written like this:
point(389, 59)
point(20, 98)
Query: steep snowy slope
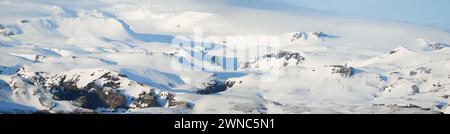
point(174, 57)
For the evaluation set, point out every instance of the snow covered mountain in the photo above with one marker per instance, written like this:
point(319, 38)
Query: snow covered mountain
point(192, 56)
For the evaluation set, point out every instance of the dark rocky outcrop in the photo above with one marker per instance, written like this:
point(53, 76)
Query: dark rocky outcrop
point(436, 46)
point(145, 99)
point(420, 70)
point(24, 21)
point(91, 96)
point(393, 52)
point(174, 103)
point(343, 70)
point(298, 36)
point(112, 98)
point(215, 86)
point(407, 106)
point(306, 35)
point(287, 55)
point(39, 58)
point(152, 99)
point(92, 89)
point(415, 89)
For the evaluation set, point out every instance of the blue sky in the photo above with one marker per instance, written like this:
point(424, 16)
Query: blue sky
point(423, 12)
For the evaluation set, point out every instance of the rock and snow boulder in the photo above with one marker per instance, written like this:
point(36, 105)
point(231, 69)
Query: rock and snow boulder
point(92, 89)
point(282, 58)
point(436, 46)
point(343, 70)
point(304, 36)
point(214, 86)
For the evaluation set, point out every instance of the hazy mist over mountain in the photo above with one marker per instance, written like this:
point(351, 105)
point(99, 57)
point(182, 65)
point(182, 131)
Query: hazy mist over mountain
point(425, 12)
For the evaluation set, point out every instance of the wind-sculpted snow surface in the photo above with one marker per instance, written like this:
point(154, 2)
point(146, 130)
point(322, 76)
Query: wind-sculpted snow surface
point(158, 57)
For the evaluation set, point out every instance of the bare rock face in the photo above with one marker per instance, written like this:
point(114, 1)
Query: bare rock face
point(415, 89)
point(91, 96)
point(287, 55)
point(420, 70)
point(155, 99)
point(98, 93)
point(98, 88)
point(112, 98)
point(145, 100)
point(299, 36)
point(215, 86)
point(174, 103)
point(39, 58)
point(308, 35)
point(343, 70)
point(282, 58)
point(403, 108)
point(436, 46)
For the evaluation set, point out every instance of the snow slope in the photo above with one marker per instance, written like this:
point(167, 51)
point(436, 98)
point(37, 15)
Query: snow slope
point(125, 57)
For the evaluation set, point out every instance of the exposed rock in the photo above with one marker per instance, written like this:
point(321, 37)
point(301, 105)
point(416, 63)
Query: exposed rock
point(344, 70)
point(282, 58)
point(145, 99)
point(438, 84)
point(92, 95)
point(393, 52)
point(24, 21)
point(407, 106)
point(173, 103)
point(286, 55)
point(415, 89)
point(298, 36)
point(39, 58)
point(111, 80)
point(97, 89)
point(420, 70)
point(154, 99)
point(308, 35)
point(181, 105)
point(445, 96)
point(436, 46)
point(215, 86)
point(401, 109)
point(112, 98)
point(82, 101)
point(399, 49)
point(91, 99)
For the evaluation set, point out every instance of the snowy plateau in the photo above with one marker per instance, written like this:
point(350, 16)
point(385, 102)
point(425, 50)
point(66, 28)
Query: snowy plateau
point(127, 57)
